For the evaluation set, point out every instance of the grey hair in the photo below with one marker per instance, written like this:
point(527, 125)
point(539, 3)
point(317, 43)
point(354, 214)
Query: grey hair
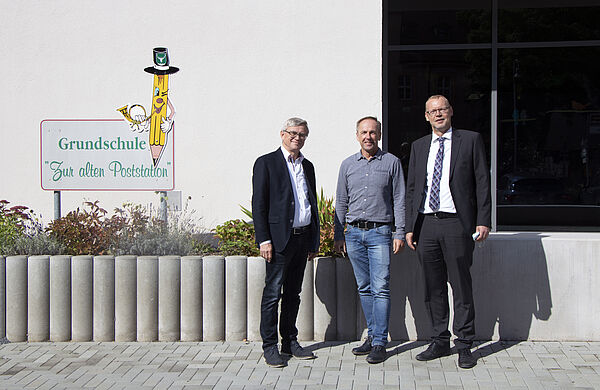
point(292, 122)
point(435, 97)
point(369, 117)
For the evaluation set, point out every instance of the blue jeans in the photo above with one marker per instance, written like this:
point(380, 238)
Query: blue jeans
point(369, 252)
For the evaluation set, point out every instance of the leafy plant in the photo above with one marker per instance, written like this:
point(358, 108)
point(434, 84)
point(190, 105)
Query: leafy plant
point(141, 232)
point(326, 220)
point(38, 244)
point(84, 232)
point(236, 237)
point(17, 223)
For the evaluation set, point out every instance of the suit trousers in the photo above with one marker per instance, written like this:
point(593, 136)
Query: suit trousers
point(283, 280)
point(446, 254)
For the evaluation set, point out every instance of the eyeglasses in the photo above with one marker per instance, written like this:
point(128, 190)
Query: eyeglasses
point(441, 110)
point(295, 134)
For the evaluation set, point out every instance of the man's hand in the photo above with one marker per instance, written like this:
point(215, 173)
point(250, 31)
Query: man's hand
point(398, 245)
point(312, 255)
point(339, 246)
point(266, 251)
point(484, 232)
point(409, 241)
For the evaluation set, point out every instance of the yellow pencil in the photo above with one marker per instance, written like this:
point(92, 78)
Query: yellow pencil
point(160, 101)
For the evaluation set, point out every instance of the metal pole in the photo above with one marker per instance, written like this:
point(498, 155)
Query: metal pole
point(56, 205)
point(163, 206)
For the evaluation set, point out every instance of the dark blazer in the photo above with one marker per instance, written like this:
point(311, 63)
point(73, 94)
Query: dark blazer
point(273, 201)
point(469, 180)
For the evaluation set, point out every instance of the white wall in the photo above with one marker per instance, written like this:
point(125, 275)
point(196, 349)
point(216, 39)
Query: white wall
point(245, 68)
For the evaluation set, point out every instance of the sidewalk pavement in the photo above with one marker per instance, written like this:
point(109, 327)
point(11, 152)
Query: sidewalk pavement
point(239, 365)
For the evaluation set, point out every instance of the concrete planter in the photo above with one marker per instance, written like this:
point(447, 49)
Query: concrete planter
point(325, 301)
point(128, 298)
point(82, 298)
point(125, 298)
point(60, 298)
point(38, 302)
point(191, 298)
point(235, 298)
point(213, 294)
point(16, 298)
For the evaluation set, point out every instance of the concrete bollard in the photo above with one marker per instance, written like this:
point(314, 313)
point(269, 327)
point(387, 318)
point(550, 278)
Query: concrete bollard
point(256, 269)
point(2, 297)
point(169, 294)
point(16, 298)
point(236, 302)
point(325, 300)
point(213, 298)
point(147, 298)
point(60, 298)
point(82, 298)
point(305, 321)
point(191, 298)
point(38, 298)
point(346, 300)
point(104, 298)
point(125, 298)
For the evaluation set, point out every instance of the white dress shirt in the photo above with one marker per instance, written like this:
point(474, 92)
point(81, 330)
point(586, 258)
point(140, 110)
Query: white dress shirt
point(446, 202)
point(302, 212)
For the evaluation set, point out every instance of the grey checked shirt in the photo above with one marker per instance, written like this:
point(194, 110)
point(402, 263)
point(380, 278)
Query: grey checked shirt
point(370, 190)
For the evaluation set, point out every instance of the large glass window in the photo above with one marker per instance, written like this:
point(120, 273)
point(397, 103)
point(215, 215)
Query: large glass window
point(547, 20)
point(548, 143)
point(436, 21)
point(461, 75)
point(532, 90)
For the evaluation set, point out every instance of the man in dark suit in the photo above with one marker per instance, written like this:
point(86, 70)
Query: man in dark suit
point(286, 224)
point(448, 207)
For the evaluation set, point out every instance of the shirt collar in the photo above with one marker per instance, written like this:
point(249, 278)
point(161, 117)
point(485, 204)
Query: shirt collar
point(378, 155)
point(288, 156)
point(447, 136)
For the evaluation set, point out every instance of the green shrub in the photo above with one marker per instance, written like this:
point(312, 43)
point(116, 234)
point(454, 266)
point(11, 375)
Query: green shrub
point(236, 237)
point(326, 222)
point(141, 232)
point(84, 232)
point(17, 224)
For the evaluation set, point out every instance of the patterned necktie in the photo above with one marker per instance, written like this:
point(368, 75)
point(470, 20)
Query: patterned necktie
point(434, 196)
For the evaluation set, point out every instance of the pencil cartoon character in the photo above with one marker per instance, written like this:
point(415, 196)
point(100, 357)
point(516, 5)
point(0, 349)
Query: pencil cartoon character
point(162, 112)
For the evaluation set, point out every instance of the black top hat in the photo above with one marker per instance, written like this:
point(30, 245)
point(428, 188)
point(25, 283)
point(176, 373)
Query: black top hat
point(161, 62)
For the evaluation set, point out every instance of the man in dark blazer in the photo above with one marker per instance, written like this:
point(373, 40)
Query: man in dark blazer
point(448, 207)
point(286, 224)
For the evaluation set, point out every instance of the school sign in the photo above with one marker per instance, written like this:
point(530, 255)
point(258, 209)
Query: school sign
point(104, 155)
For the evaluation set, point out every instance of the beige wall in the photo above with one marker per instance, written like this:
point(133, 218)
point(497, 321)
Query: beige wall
point(245, 68)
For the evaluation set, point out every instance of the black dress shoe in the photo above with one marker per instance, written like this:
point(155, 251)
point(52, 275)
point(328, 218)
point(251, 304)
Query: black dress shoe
point(434, 351)
point(377, 354)
point(273, 358)
point(294, 349)
point(466, 358)
point(365, 348)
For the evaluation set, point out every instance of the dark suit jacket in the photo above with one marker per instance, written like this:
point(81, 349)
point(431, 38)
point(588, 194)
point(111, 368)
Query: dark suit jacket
point(273, 201)
point(469, 180)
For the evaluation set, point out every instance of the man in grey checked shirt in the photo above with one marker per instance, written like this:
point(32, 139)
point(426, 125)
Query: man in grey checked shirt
point(370, 202)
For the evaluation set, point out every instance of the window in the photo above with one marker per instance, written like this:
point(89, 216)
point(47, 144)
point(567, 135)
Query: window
point(532, 90)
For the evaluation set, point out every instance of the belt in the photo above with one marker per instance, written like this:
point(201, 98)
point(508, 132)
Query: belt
point(367, 224)
point(441, 215)
point(300, 230)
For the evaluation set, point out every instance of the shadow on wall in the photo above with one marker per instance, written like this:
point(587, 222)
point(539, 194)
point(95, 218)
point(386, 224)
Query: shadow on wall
point(510, 288)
